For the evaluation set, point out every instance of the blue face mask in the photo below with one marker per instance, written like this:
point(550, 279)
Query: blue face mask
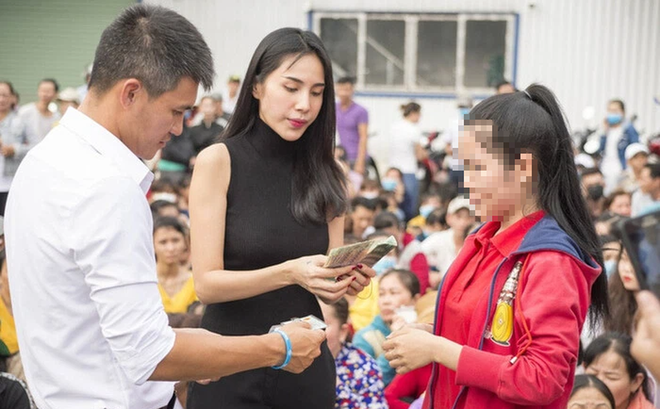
point(610, 267)
point(614, 119)
point(388, 184)
point(463, 112)
point(426, 210)
point(384, 264)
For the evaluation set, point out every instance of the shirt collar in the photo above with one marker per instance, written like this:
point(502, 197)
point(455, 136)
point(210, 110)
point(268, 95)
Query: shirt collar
point(109, 146)
point(509, 240)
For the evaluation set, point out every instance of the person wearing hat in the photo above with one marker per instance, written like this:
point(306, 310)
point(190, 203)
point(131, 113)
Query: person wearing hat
point(67, 98)
point(442, 247)
point(636, 155)
point(231, 94)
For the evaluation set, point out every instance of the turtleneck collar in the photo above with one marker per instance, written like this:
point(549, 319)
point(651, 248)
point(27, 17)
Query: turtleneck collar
point(268, 143)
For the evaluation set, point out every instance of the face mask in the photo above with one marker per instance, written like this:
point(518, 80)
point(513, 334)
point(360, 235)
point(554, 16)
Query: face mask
point(369, 195)
point(614, 119)
point(426, 210)
point(384, 264)
point(388, 184)
point(595, 192)
point(610, 267)
point(463, 112)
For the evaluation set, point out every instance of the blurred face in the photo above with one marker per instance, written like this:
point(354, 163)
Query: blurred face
point(589, 398)
point(233, 87)
point(393, 174)
point(344, 92)
point(169, 245)
point(291, 97)
point(647, 184)
point(621, 205)
point(610, 368)
point(638, 161)
point(496, 190)
point(460, 220)
point(392, 294)
point(336, 332)
point(218, 108)
point(627, 273)
point(361, 218)
point(595, 179)
point(614, 108)
point(46, 92)
point(207, 108)
point(611, 250)
point(414, 117)
point(5, 98)
point(147, 124)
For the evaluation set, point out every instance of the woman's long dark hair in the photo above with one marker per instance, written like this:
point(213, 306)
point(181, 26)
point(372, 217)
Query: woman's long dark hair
point(532, 121)
point(622, 316)
point(318, 187)
point(585, 381)
point(619, 344)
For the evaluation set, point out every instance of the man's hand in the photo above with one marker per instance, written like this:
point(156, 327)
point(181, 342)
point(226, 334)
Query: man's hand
point(305, 344)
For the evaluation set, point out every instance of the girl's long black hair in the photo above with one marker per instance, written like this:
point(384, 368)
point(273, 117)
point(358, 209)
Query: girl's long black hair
point(318, 186)
point(532, 121)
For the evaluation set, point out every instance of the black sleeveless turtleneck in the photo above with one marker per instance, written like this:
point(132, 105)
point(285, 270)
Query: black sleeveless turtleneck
point(261, 232)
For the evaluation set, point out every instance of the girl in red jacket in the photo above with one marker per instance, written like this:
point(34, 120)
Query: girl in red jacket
point(512, 305)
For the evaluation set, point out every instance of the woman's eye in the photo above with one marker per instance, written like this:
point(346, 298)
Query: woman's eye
point(290, 89)
point(317, 94)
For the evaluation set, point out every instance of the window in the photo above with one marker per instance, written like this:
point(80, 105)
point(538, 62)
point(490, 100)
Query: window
point(423, 53)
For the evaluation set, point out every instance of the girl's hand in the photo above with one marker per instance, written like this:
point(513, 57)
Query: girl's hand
point(411, 348)
point(309, 273)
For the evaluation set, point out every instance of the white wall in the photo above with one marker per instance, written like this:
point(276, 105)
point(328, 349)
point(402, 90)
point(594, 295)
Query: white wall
point(586, 51)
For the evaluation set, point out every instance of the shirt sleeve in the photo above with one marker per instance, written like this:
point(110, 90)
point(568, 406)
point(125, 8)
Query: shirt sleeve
point(554, 301)
point(364, 116)
point(111, 233)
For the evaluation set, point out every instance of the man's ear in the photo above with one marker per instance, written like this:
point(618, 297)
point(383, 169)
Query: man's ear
point(131, 90)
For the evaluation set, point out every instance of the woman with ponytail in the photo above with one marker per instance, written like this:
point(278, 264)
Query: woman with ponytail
point(512, 305)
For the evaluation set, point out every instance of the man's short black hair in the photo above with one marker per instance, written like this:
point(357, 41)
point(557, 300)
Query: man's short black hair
point(590, 171)
point(370, 204)
point(655, 169)
point(619, 103)
point(346, 80)
point(154, 45)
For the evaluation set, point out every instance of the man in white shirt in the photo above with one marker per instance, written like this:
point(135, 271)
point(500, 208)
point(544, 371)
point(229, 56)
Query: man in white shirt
point(91, 326)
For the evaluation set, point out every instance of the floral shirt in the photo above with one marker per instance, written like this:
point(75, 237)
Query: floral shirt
point(359, 380)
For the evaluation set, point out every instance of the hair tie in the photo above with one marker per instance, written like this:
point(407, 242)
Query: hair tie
point(527, 93)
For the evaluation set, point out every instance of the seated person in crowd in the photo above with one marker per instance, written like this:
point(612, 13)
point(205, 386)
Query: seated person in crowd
point(593, 187)
point(590, 392)
point(608, 358)
point(9, 353)
point(361, 217)
point(647, 198)
point(175, 281)
point(636, 155)
point(442, 248)
point(618, 202)
point(410, 252)
point(363, 308)
point(359, 379)
point(397, 288)
point(429, 203)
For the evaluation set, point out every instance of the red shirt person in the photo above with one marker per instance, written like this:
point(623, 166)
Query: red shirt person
point(511, 308)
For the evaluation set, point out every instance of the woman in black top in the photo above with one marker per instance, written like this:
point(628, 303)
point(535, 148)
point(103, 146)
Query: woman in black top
point(265, 205)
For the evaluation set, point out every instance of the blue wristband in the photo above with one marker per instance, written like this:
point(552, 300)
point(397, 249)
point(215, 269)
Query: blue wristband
point(289, 350)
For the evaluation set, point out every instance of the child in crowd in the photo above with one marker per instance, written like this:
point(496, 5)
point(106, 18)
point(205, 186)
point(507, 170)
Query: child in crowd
point(397, 288)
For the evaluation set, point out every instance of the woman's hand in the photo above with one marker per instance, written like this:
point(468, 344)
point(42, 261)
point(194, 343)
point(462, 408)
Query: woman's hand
point(360, 279)
point(410, 348)
point(329, 284)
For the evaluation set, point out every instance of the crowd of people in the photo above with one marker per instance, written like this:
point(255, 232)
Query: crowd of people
point(505, 245)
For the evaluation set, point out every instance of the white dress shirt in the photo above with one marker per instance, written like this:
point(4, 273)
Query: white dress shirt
point(90, 321)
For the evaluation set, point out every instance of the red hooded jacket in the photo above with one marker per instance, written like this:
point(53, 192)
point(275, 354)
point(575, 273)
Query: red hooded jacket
point(534, 365)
